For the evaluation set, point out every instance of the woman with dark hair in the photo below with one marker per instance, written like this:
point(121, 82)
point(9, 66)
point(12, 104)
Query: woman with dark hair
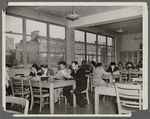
point(46, 71)
point(93, 65)
point(129, 65)
point(78, 75)
point(112, 68)
point(35, 70)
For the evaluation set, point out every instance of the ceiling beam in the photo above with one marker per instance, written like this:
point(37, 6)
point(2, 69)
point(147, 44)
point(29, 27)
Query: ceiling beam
point(108, 17)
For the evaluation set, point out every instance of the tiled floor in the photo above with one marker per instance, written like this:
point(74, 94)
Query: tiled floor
point(107, 106)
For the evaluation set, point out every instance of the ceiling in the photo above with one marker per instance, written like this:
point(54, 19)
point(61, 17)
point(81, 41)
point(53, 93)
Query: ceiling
point(63, 11)
point(129, 26)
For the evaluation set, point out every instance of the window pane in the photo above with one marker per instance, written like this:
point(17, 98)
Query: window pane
point(57, 32)
point(13, 24)
point(101, 50)
point(91, 45)
point(91, 49)
point(110, 51)
point(101, 40)
point(79, 36)
point(109, 41)
point(35, 28)
point(43, 58)
point(79, 48)
point(110, 59)
point(79, 59)
point(91, 38)
point(14, 50)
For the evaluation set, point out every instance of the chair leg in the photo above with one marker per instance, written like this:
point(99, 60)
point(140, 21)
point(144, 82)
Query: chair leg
point(31, 105)
point(65, 100)
point(87, 96)
point(40, 105)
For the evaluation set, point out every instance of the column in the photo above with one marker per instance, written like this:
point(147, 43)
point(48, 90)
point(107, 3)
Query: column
point(70, 45)
point(24, 44)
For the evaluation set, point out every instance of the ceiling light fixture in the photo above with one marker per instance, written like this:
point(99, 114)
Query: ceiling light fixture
point(73, 16)
point(120, 30)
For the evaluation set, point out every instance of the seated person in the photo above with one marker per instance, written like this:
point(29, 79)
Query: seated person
point(8, 87)
point(93, 65)
point(113, 70)
point(85, 66)
point(120, 66)
point(46, 71)
point(35, 70)
point(98, 72)
point(129, 65)
point(78, 75)
point(62, 74)
point(139, 65)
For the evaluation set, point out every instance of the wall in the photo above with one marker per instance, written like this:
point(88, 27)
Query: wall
point(128, 43)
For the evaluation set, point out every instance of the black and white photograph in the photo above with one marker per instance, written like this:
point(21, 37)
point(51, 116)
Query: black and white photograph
point(76, 59)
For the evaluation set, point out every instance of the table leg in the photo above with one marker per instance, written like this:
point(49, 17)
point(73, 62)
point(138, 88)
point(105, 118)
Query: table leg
point(96, 102)
point(74, 97)
point(51, 98)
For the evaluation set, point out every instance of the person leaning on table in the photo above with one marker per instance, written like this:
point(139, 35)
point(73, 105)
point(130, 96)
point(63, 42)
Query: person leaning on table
point(98, 72)
point(35, 70)
point(113, 70)
point(46, 71)
point(62, 73)
point(78, 74)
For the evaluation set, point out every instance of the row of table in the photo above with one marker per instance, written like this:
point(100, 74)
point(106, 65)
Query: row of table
point(52, 85)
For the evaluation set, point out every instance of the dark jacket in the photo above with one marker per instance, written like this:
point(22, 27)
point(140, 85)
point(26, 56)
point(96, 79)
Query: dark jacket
point(110, 69)
point(79, 76)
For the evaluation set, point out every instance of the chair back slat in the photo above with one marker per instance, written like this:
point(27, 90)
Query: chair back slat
point(133, 74)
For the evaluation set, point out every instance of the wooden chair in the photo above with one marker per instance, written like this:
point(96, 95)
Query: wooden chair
point(124, 76)
point(133, 74)
point(39, 93)
point(129, 98)
point(87, 90)
point(137, 80)
point(19, 101)
point(18, 88)
point(91, 81)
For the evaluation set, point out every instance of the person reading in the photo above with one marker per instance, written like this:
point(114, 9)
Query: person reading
point(78, 74)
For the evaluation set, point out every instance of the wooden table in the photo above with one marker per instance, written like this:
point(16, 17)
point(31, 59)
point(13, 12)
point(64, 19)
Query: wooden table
point(52, 85)
point(103, 90)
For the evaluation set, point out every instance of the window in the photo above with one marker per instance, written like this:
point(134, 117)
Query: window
point(109, 41)
point(79, 46)
point(13, 24)
point(57, 32)
point(35, 28)
point(79, 36)
point(101, 40)
point(91, 46)
point(14, 50)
